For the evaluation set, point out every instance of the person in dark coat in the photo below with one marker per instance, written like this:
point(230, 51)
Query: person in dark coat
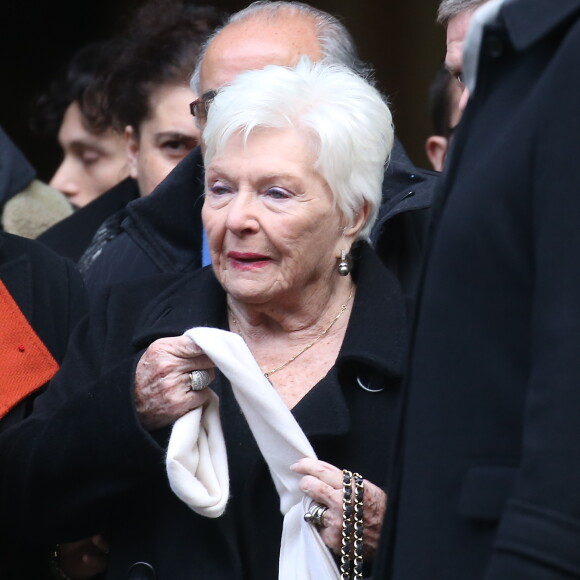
point(42, 297)
point(288, 212)
point(162, 233)
point(488, 471)
point(149, 105)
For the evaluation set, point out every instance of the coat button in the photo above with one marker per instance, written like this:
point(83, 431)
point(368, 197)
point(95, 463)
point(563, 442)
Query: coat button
point(141, 571)
point(370, 384)
point(494, 45)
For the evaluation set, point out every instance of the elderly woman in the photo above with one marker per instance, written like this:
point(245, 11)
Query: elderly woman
point(294, 163)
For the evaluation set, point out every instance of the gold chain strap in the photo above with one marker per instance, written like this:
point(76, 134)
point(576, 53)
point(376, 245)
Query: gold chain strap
point(346, 542)
point(351, 551)
point(359, 491)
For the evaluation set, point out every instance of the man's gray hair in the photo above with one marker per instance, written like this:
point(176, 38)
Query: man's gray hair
point(335, 40)
point(448, 9)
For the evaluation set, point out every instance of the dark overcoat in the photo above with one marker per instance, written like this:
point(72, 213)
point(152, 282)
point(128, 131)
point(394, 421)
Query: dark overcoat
point(490, 459)
point(50, 295)
point(83, 464)
point(71, 236)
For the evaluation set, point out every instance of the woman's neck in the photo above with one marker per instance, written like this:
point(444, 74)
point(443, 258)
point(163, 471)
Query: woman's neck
point(299, 318)
point(295, 347)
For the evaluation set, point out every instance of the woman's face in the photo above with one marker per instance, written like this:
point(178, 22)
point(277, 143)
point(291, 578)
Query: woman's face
point(164, 138)
point(92, 163)
point(272, 228)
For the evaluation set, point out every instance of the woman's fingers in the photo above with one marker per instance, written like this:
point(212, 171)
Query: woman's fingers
point(323, 483)
point(321, 470)
point(164, 388)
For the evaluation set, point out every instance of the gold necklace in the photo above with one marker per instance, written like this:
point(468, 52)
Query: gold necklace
point(267, 374)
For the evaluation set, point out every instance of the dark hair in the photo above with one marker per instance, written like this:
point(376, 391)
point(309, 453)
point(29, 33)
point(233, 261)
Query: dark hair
point(81, 76)
point(160, 48)
point(440, 102)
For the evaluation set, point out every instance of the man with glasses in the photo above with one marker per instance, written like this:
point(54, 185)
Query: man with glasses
point(163, 232)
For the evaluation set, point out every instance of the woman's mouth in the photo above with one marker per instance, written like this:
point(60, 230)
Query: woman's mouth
point(247, 260)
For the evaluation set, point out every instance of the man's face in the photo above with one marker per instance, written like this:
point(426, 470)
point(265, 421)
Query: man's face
point(457, 29)
point(254, 44)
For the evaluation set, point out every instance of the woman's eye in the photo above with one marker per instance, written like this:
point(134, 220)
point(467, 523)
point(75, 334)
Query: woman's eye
point(277, 193)
point(219, 189)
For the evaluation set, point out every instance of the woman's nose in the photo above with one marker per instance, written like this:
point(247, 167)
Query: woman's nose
point(243, 214)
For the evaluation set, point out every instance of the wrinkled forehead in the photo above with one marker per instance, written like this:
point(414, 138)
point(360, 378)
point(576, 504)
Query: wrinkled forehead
point(255, 44)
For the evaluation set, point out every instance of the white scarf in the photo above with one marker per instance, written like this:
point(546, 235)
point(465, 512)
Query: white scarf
point(197, 461)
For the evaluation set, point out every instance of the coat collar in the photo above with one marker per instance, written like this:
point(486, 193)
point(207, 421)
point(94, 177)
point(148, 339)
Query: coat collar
point(166, 224)
point(373, 349)
point(527, 21)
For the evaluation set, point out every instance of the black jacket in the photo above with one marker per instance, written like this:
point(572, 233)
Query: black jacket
point(73, 235)
point(163, 231)
point(83, 463)
point(51, 296)
point(489, 457)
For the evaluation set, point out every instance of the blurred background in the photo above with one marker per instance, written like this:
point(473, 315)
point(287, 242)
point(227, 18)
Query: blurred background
point(400, 38)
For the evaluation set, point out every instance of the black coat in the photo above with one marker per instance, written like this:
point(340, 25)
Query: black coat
point(72, 236)
point(163, 231)
point(50, 294)
point(83, 463)
point(490, 458)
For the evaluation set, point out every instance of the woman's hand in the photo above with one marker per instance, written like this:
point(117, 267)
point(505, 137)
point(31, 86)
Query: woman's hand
point(323, 483)
point(162, 384)
point(84, 559)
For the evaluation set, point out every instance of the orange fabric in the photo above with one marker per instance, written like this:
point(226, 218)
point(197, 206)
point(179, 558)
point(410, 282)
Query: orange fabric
point(25, 362)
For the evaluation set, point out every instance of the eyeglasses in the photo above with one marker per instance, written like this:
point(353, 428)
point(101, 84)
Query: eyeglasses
point(200, 107)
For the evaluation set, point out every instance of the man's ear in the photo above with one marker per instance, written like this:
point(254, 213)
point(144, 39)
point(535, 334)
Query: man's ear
point(436, 149)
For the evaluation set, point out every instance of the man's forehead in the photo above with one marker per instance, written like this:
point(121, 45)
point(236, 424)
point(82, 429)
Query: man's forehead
point(457, 29)
point(254, 45)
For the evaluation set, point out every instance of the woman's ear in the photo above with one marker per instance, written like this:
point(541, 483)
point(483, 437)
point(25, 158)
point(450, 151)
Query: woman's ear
point(131, 150)
point(360, 219)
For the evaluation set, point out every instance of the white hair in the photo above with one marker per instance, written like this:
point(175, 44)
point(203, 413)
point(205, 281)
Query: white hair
point(346, 120)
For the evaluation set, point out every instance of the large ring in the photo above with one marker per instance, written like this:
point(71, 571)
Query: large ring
point(316, 515)
point(199, 380)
